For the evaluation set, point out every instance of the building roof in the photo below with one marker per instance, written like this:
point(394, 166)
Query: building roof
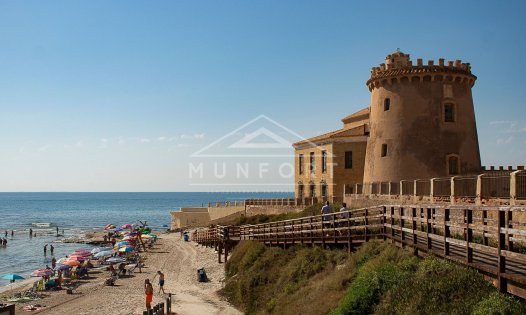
point(334, 135)
point(359, 115)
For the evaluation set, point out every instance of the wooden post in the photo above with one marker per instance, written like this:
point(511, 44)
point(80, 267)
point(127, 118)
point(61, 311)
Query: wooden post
point(226, 251)
point(502, 281)
point(401, 223)
point(349, 236)
point(509, 219)
point(469, 235)
point(366, 224)
point(413, 217)
point(446, 232)
point(392, 225)
point(428, 228)
point(384, 230)
point(485, 223)
point(169, 304)
point(219, 252)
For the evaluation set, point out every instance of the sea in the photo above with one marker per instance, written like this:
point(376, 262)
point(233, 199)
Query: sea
point(77, 213)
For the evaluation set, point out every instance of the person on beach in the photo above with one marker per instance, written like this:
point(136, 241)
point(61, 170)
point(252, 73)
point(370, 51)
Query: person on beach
point(45, 249)
point(30, 232)
point(57, 230)
point(12, 233)
point(51, 249)
point(4, 242)
point(53, 261)
point(161, 280)
point(5, 233)
point(148, 290)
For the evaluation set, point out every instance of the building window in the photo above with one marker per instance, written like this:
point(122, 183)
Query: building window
point(449, 112)
point(384, 150)
point(300, 190)
point(312, 190)
point(387, 104)
point(300, 164)
point(323, 190)
point(311, 159)
point(452, 165)
point(324, 161)
point(348, 159)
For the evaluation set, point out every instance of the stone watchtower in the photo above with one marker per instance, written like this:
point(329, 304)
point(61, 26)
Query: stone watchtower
point(422, 121)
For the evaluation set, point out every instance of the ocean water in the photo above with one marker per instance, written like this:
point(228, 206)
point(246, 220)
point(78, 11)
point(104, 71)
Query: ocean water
point(76, 213)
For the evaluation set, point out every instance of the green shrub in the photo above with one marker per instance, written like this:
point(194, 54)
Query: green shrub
point(499, 304)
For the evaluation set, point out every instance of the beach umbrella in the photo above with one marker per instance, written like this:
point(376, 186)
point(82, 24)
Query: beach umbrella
point(147, 236)
point(123, 243)
point(127, 226)
point(12, 277)
point(127, 249)
point(129, 238)
point(109, 226)
point(104, 253)
point(62, 260)
point(72, 263)
point(62, 267)
point(82, 251)
point(100, 249)
point(115, 260)
point(76, 257)
point(42, 273)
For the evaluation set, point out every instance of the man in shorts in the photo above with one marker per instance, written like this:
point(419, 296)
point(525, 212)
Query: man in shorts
point(161, 280)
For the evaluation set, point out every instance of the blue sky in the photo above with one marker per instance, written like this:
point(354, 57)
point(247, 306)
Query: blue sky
point(115, 95)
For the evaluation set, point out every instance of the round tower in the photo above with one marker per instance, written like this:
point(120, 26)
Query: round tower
point(422, 121)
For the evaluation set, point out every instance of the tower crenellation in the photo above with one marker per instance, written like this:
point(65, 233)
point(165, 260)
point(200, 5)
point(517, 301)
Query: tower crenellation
point(398, 66)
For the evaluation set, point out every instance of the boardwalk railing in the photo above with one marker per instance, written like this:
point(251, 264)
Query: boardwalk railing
point(494, 187)
point(490, 239)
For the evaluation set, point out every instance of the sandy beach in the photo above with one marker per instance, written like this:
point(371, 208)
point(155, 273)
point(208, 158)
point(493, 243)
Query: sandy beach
point(178, 260)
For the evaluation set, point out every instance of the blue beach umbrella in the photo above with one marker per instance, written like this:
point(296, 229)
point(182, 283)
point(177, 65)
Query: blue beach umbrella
point(12, 276)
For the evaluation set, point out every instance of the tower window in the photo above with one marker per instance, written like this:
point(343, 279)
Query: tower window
point(323, 190)
point(300, 191)
point(384, 150)
point(387, 104)
point(324, 161)
point(348, 159)
point(311, 166)
point(449, 112)
point(301, 164)
point(312, 190)
point(452, 165)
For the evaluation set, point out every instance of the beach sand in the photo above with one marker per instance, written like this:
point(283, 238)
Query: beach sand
point(177, 259)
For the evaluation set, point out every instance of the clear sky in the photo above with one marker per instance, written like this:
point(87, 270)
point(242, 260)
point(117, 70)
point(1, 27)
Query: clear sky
point(116, 95)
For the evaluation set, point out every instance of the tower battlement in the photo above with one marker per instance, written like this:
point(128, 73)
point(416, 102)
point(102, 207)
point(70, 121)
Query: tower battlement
point(398, 67)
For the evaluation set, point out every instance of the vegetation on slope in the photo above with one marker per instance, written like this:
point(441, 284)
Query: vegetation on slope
point(379, 278)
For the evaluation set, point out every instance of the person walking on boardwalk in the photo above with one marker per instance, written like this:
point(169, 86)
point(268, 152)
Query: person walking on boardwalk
point(148, 290)
point(326, 211)
point(161, 281)
point(45, 249)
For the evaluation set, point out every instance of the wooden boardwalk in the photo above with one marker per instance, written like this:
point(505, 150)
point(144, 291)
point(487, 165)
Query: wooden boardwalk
point(489, 239)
